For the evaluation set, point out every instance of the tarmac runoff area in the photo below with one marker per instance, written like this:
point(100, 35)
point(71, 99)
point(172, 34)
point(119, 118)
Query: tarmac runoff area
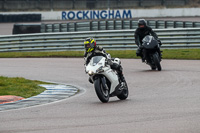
point(51, 94)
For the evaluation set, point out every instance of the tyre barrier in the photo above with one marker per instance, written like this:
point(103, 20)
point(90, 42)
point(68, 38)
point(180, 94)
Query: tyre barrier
point(26, 28)
point(4, 18)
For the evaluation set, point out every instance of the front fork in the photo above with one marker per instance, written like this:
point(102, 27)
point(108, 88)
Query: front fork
point(103, 81)
point(149, 59)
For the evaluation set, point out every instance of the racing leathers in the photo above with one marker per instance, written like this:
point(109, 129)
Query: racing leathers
point(99, 51)
point(140, 33)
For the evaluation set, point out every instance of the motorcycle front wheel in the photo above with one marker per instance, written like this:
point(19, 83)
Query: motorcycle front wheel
point(101, 91)
point(157, 61)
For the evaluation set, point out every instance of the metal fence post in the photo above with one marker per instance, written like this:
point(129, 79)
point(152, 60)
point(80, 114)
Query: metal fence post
point(165, 24)
point(184, 25)
point(147, 22)
point(98, 25)
point(75, 26)
point(174, 24)
point(59, 27)
point(53, 27)
point(90, 25)
point(45, 27)
point(122, 24)
point(106, 25)
point(156, 24)
point(193, 24)
point(114, 24)
point(67, 27)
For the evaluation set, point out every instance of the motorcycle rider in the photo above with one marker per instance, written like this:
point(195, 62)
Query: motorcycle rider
point(91, 50)
point(140, 33)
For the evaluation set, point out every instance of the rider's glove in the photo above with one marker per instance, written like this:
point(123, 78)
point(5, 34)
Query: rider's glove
point(109, 62)
point(140, 47)
point(159, 42)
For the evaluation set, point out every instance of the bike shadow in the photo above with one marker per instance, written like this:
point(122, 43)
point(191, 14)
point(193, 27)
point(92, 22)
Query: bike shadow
point(151, 71)
point(113, 101)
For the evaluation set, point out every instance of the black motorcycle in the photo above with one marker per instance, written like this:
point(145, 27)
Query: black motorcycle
point(151, 53)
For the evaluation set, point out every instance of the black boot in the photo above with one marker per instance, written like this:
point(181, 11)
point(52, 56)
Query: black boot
point(142, 57)
point(160, 53)
point(121, 77)
point(90, 80)
point(122, 81)
point(139, 52)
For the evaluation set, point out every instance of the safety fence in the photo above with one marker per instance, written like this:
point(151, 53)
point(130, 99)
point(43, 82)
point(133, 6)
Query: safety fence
point(113, 25)
point(109, 39)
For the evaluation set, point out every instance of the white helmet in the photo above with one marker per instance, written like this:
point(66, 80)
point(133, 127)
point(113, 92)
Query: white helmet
point(117, 60)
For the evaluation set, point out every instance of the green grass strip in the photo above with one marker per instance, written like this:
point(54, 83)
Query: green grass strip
point(167, 54)
point(191, 54)
point(41, 54)
point(20, 87)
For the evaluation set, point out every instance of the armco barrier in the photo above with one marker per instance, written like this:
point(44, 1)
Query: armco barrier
point(114, 25)
point(110, 40)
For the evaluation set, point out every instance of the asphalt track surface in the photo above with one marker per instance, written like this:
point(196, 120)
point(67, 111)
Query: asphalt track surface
point(159, 102)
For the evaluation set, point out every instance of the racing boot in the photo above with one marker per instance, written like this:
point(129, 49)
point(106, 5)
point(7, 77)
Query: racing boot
point(122, 81)
point(90, 80)
point(142, 57)
point(139, 52)
point(160, 54)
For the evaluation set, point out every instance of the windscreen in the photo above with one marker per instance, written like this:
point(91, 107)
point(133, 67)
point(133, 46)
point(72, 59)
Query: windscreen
point(148, 39)
point(95, 60)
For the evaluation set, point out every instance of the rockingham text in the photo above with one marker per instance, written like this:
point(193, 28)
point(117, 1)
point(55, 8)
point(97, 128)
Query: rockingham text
point(97, 14)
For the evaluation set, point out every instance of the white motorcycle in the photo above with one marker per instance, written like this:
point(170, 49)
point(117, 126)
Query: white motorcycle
point(106, 81)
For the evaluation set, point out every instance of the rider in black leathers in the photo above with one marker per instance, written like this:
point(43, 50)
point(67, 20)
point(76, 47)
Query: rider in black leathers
point(140, 33)
point(92, 50)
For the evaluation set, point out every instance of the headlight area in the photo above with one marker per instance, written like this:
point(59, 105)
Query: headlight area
point(100, 69)
point(90, 73)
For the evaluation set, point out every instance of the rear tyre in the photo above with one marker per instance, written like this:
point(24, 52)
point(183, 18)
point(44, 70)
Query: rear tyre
point(157, 61)
point(153, 67)
point(102, 93)
point(124, 93)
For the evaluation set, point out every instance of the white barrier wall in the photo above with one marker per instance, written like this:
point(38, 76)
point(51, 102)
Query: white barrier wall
point(114, 14)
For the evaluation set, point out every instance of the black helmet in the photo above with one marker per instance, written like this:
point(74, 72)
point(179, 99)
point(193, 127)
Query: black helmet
point(90, 44)
point(142, 23)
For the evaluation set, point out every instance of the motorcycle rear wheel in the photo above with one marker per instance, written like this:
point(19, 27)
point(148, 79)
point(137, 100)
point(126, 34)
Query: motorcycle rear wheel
point(157, 61)
point(102, 93)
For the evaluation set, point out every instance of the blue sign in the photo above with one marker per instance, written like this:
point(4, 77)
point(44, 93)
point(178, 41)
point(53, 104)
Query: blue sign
point(96, 14)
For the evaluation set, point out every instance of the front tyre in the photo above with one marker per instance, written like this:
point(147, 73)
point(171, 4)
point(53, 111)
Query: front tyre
point(157, 61)
point(153, 67)
point(101, 91)
point(124, 93)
